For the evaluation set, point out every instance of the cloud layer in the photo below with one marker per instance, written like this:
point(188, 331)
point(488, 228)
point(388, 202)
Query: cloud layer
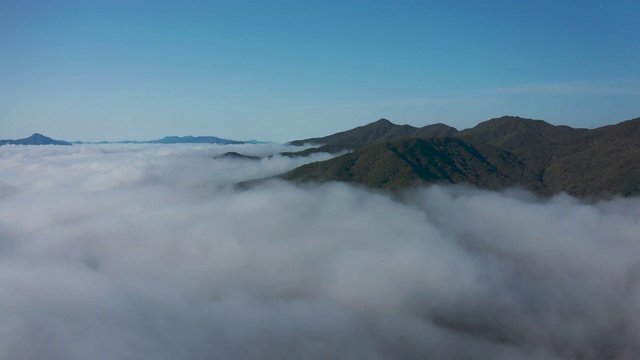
point(145, 252)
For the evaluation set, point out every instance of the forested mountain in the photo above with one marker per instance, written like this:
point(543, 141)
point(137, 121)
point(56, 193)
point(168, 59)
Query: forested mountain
point(502, 152)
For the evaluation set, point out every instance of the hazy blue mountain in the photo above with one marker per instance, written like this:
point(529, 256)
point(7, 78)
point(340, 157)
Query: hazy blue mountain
point(178, 140)
point(35, 139)
point(193, 140)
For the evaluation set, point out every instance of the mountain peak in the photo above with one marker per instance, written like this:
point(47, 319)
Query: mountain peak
point(35, 139)
point(510, 117)
point(513, 132)
point(380, 130)
point(383, 121)
point(378, 124)
point(39, 136)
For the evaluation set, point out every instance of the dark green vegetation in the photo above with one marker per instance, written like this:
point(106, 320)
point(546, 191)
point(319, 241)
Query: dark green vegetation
point(35, 139)
point(498, 153)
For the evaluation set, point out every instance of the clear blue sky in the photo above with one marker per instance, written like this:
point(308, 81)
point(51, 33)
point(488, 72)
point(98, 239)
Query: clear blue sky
point(282, 70)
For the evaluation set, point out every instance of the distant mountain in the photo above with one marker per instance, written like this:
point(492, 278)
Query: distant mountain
point(501, 152)
point(35, 139)
point(178, 140)
point(193, 140)
point(38, 139)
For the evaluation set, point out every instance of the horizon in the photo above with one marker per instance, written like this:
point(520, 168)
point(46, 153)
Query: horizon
point(283, 70)
point(261, 140)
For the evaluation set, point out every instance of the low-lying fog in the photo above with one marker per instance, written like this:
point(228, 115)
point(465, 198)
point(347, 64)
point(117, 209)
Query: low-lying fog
point(148, 252)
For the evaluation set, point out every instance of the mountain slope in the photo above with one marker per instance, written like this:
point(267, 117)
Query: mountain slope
point(603, 160)
point(412, 161)
point(35, 139)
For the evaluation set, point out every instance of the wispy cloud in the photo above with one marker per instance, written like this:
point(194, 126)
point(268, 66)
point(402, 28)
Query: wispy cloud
point(405, 101)
point(575, 87)
point(427, 100)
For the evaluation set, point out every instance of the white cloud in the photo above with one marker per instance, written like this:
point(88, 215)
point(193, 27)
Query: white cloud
point(142, 251)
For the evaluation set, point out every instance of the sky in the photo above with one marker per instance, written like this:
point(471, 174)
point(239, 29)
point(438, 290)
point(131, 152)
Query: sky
point(145, 251)
point(284, 70)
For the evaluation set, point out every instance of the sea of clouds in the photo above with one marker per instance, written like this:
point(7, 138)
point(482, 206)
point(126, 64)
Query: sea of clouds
point(150, 252)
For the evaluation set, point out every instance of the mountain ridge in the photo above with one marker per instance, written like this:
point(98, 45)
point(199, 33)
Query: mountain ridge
point(380, 130)
point(513, 132)
point(39, 139)
point(501, 152)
